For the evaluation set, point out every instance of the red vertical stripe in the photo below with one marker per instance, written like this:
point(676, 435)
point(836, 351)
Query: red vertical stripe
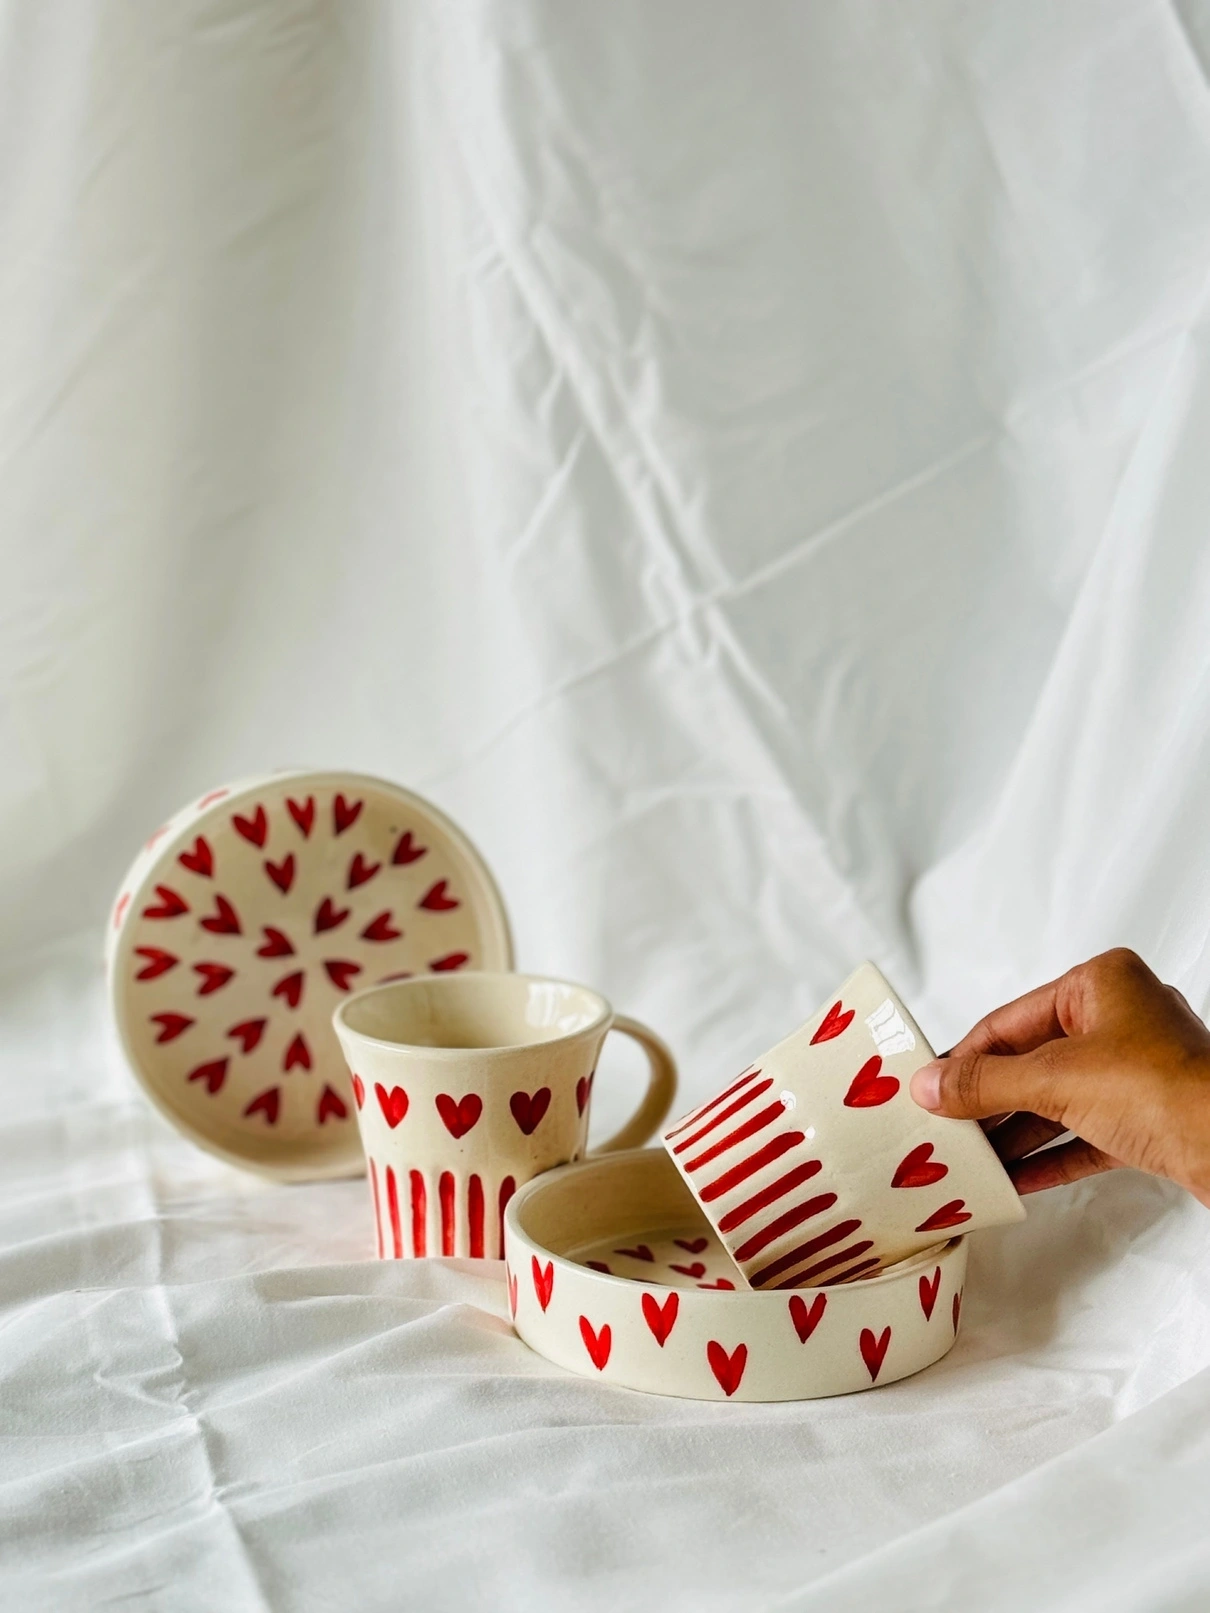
point(474, 1214)
point(692, 1119)
point(770, 1194)
point(419, 1208)
point(507, 1188)
point(445, 1192)
point(393, 1203)
point(741, 1133)
point(842, 1259)
point(780, 1145)
point(856, 1271)
point(377, 1211)
point(742, 1102)
point(795, 1257)
point(784, 1223)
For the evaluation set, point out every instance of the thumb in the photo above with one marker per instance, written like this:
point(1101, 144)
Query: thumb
point(972, 1086)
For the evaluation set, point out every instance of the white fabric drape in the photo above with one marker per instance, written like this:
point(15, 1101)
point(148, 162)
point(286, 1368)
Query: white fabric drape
point(748, 464)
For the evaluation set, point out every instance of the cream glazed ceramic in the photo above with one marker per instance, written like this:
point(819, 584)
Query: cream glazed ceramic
point(816, 1164)
point(466, 1086)
point(613, 1272)
point(247, 917)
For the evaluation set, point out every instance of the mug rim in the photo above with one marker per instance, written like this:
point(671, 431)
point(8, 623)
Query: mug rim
point(603, 1019)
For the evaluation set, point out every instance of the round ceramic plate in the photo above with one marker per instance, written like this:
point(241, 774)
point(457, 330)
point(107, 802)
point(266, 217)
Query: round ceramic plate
point(243, 922)
point(613, 1272)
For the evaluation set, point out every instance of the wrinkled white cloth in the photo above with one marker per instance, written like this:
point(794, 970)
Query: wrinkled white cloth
point(748, 465)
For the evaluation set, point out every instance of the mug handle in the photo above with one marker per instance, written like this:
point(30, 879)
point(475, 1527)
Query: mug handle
point(661, 1088)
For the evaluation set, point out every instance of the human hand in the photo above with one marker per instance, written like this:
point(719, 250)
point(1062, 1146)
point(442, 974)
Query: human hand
point(1107, 1052)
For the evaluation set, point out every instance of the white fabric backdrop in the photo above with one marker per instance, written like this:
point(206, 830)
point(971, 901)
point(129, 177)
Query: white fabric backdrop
point(748, 463)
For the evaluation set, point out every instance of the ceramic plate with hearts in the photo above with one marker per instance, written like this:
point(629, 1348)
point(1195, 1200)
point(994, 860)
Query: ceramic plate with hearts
point(243, 922)
point(613, 1272)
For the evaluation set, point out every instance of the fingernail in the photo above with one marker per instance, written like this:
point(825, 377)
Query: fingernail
point(926, 1086)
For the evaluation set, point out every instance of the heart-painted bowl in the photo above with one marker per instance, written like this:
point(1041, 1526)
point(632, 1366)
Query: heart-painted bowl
point(613, 1272)
point(246, 919)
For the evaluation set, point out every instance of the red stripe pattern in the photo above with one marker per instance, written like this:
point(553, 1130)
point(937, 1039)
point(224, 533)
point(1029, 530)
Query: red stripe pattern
point(464, 1226)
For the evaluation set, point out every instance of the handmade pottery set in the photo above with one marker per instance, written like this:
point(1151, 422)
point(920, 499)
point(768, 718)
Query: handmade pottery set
point(311, 976)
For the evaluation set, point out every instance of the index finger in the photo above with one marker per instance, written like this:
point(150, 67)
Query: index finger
point(1019, 1027)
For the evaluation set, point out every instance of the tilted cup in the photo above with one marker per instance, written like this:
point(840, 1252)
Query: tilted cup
point(467, 1086)
point(816, 1166)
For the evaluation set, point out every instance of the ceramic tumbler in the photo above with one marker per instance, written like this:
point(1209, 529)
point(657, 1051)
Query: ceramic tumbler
point(466, 1087)
point(816, 1166)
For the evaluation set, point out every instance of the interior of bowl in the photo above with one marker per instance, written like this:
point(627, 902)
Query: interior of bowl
point(475, 1010)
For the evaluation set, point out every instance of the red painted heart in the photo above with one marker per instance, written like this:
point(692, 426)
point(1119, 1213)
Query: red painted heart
point(917, 1169)
point(452, 960)
point(660, 1318)
point(869, 1089)
point(224, 920)
point(345, 814)
point(692, 1246)
point(723, 1282)
point(341, 972)
point(254, 829)
point(957, 1308)
point(359, 1090)
point(459, 1115)
point(328, 915)
point(158, 963)
point(544, 1280)
point(512, 1293)
point(528, 1109)
point(290, 987)
point(394, 1104)
point(171, 1025)
point(728, 1369)
point(266, 1103)
point(696, 1270)
point(282, 873)
point(952, 1214)
point(583, 1092)
point(639, 1252)
point(806, 1318)
point(598, 1265)
point(304, 815)
point(406, 850)
point(248, 1032)
point(435, 899)
point(873, 1350)
point(834, 1022)
point(330, 1105)
point(597, 1344)
point(200, 860)
point(213, 975)
point(928, 1293)
point(380, 928)
point(169, 906)
point(213, 1074)
point(361, 872)
point(276, 945)
point(298, 1053)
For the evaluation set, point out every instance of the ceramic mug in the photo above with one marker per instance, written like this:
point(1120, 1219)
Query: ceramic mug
point(816, 1166)
point(466, 1086)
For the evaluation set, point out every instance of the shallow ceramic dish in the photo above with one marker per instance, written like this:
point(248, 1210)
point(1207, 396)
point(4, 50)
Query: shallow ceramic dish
point(246, 919)
point(613, 1272)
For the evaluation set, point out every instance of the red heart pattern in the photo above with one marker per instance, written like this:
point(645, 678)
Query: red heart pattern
point(291, 987)
point(360, 872)
point(661, 1319)
point(304, 815)
point(248, 1033)
point(224, 920)
point(298, 1054)
point(254, 829)
point(394, 1104)
point(213, 1074)
point(692, 1246)
point(435, 899)
point(459, 1115)
point(583, 1092)
point(727, 1368)
point(597, 1344)
point(918, 1168)
point(158, 962)
point(214, 977)
point(407, 851)
point(380, 928)
point(696, 1270)
point(345, 814)
point(200, 859)
point(276, 945)
point(341, 972)
point(266, 1103)
point(331, 1106)
point(169, 906)
point(359, 1090)
point(528, 1109)
point(171, 1025)
point(952, 1214)
point(639, 1252)
point(452, 960)
point(512, 1293)
point(806, 1318)
point(328, 916)
point(282, 873)
point(544, 1280)
point(869, 1089)
point(873, 1350)
point(836, 1021)
point(929, 1287)
point(722, 1282)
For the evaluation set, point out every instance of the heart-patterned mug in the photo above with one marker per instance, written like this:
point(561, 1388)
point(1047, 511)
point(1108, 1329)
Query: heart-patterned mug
point(816, 1166)
point(469, 1085)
